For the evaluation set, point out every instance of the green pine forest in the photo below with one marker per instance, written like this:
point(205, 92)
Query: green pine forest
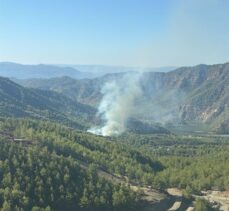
point(48, 166)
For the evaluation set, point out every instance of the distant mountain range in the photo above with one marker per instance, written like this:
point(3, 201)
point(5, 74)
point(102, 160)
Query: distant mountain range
point(198, 94)
point(100, 70)
point(19, 71)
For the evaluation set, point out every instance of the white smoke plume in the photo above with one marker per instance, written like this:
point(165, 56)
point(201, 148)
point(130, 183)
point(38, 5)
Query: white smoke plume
point(117, 104)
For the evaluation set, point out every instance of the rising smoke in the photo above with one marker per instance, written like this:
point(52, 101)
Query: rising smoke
point(117, 104)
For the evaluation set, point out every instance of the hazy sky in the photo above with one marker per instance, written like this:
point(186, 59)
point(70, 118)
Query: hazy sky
point(115, 32)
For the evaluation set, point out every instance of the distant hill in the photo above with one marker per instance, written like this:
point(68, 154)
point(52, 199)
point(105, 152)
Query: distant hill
point(100, 70)
point(85, 90)
point(187, 94)
point(17, 101)
point(139, 127)
point(14, 70)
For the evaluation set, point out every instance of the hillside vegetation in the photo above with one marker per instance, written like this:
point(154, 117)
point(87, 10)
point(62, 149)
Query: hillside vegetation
point(193, 164)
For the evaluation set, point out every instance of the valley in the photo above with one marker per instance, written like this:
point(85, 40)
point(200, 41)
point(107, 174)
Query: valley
point(115, 105)
point(188, 96)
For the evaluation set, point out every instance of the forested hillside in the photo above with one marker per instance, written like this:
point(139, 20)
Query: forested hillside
point(45, 165)
point(50, 166)
point(17, 101)
point(33, 178)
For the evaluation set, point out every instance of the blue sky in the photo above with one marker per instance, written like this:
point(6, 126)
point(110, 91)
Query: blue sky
point(115, 32)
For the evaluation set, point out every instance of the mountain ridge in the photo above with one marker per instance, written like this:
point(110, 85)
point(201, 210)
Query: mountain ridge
point(198, 93)
point(17, 101)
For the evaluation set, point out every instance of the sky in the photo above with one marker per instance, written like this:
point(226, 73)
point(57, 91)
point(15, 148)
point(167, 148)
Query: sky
point(146, 33)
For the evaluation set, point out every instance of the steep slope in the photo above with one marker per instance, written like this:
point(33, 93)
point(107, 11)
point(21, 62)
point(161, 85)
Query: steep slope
point(82, 90)
point(209, 101)
point(201, 92)
point(17, 101)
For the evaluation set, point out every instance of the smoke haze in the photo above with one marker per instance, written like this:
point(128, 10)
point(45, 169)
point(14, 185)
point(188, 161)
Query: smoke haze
point(117, 104)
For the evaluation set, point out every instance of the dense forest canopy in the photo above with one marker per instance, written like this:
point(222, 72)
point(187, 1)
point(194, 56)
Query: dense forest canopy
point(44, 165)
